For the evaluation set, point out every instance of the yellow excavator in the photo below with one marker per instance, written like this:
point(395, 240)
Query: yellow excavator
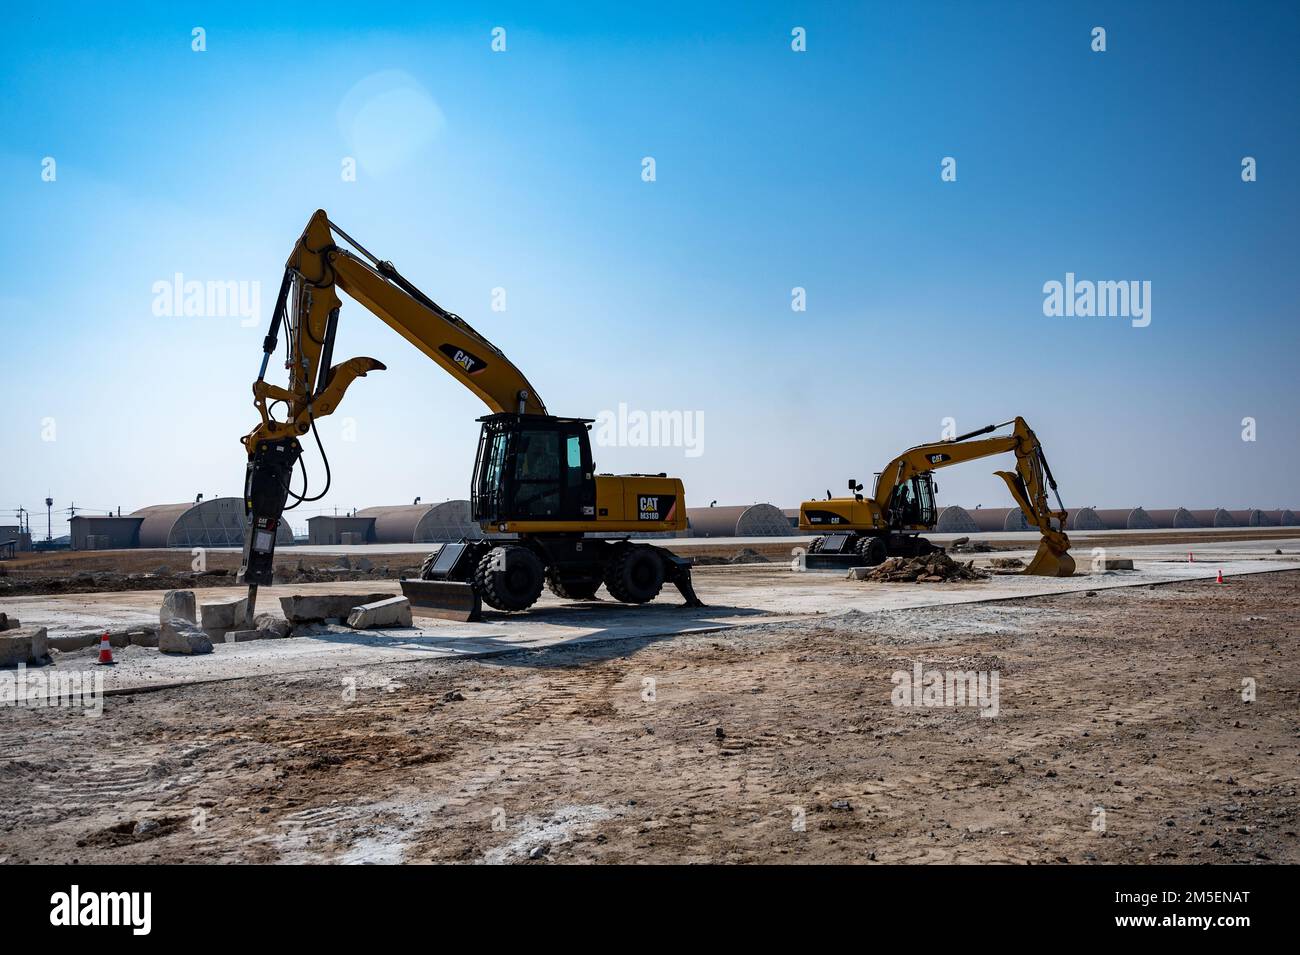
point(866, 530)
point(534, 485)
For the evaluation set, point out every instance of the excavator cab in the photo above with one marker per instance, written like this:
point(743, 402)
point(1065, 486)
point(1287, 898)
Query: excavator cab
point(533, 468)
point(912, 503)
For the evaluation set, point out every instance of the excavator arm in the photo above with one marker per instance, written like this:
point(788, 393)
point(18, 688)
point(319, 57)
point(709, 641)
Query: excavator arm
point(307, 311)
point(1028, 484)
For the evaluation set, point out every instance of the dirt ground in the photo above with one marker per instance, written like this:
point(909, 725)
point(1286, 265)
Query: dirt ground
point(775, 742)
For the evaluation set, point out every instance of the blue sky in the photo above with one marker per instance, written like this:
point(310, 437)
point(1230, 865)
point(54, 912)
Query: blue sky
point(775, 169)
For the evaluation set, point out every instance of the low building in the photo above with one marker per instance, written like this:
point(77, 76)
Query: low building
point(14, 537)
point(396, 524)
point(218, 522)
point(104, 531)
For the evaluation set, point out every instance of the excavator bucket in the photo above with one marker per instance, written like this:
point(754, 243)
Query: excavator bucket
point(1051, 562)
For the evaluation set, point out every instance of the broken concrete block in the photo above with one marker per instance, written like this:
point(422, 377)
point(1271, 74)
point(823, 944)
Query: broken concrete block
point(181, 636)
point(362, 563)
point(144, 637)
point(23, 645)
point(8, 623)
point(225, 616)
point(393, 612)
point(343, 562)
point(243, 636)
point(1117, 563)
point(316, 607)
point(859, 573)
point(273, 627)
point(73, 641)
point(177, 605)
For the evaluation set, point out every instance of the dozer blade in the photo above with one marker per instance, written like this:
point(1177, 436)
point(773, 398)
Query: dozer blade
point(448, 599)
point(1049, 563)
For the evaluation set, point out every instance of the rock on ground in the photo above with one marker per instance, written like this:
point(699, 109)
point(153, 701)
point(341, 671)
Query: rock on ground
point(224, 616)
point(178, 605)
point(23, 645)
point(272, 627)
point(181, 636)
point(393, 612)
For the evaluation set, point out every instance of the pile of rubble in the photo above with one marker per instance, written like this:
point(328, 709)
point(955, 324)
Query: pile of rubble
point(930, 569)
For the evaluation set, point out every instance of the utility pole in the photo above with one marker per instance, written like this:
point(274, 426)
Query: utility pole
point(49, 518)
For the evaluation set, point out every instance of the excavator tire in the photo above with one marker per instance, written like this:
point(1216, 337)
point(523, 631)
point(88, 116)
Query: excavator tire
point(572, 589)
point(872, 550)
point(815, 545)
point(635, 575)
point(509, 577)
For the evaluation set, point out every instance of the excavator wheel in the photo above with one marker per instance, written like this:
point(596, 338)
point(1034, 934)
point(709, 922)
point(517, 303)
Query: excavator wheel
point(872, 550)
point(815, 545)
point(509, 577)
point(635, 575)
point(426, 568)
point(572, 589)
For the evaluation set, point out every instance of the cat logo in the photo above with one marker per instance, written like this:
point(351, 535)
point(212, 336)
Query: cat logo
point(471, 364)
point(937, 458)
point(655, 507)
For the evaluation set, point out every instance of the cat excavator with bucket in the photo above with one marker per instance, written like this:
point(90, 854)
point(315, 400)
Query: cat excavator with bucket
point(535, 489)
point(862, 530)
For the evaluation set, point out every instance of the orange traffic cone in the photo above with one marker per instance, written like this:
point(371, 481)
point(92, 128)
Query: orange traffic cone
point(1219, 579)
point(105, 650)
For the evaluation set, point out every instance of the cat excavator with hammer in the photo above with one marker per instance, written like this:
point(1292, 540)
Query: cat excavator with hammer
point(534, 485)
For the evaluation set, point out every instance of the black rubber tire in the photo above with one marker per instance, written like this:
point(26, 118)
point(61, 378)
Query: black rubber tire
point(816, 545)
point(635, 575)
point(426, 568)
point(509, 578)
point(573, 589)
point(872, 550)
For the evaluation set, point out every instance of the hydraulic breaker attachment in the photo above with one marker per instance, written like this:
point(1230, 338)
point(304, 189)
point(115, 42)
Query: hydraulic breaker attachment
point(266, 488)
